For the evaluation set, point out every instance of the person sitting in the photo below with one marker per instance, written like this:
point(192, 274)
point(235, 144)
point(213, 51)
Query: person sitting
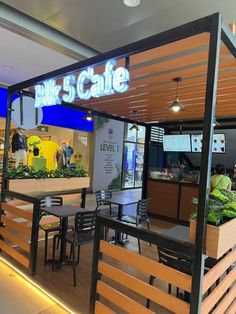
point(219, 180)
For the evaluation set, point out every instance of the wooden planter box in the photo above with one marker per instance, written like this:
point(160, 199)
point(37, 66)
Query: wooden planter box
point(48, 185)
point(218, 239)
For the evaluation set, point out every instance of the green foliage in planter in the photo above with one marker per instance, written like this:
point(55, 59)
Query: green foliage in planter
point(25, 172)
point(221, 207)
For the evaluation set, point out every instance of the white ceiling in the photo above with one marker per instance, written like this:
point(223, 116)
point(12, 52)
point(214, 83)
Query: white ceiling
point(101, 24)
point(26, 58)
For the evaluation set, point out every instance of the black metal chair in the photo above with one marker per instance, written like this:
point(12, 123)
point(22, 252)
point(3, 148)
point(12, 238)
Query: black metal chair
point(102, 205)
point(49, 227)
point(140, 218)
point(175, 260)
point(82, 234)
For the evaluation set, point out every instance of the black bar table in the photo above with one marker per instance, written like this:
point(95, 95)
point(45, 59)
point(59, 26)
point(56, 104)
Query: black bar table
point(63, 211)
point(121, 201)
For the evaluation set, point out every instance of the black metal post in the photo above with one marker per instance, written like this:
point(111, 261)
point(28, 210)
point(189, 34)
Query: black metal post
point(96, 255)
point(206, 158)
point(6, 146)
point(146, 161)
point(83, 198)
point(34, 238)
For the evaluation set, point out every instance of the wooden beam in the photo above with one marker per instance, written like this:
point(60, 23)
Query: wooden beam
point(12, 225)
point(14, 254)
point(15, 239)
point(144, 264)
point(142, 288)
point(17, 211)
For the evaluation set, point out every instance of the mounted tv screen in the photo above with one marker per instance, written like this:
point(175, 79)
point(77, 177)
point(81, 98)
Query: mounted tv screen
point(176, 143)
point(218, 145)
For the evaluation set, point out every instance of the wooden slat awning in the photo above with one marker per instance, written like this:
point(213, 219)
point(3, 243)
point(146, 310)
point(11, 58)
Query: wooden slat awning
point(152, 90)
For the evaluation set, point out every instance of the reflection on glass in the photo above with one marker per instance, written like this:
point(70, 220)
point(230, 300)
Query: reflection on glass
point(129, 165)
point(141, 134)
point(139, 165)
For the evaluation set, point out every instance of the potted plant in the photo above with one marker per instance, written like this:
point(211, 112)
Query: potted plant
point(26, 179)
point(221, 223)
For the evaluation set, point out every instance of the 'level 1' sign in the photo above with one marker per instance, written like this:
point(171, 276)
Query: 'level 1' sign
point(86, 85)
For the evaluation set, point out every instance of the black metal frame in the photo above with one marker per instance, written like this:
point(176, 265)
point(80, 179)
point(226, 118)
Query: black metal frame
point(218, 31)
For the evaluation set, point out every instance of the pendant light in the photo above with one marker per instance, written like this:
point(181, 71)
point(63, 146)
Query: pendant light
point(89, 116)
point(134, 127)
point(176, 106)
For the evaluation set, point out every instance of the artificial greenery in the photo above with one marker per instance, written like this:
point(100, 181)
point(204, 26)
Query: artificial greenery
point(221, 207)
point(25, 172)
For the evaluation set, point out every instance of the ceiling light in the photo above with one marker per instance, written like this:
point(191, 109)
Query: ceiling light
point(89, 116)
point(8, 67)
point(131, 3)
point(176, 106)
point(134, 127)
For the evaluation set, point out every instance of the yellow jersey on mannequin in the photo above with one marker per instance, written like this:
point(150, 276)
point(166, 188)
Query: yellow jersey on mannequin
point(48, 150)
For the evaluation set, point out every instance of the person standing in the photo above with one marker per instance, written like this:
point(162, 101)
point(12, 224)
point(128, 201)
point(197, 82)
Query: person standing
point(19, 147)
point(219, 180)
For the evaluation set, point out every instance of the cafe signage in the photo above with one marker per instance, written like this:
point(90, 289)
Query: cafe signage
point(88, 84)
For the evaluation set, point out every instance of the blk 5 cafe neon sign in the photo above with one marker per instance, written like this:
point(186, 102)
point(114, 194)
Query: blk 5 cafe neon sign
point(85, 86)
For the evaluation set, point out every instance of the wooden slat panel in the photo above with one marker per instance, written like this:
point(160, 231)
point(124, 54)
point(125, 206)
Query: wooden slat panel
point(122, 301)
point(147, 265)
point(13, 253)
point(175, 47)
point(218, 292)
point(16, 226)
point(231, 309)
point(146, 290)
point(15, 239)
point(226, 302)
point(218, 270)
point(102, 309)
point(17, 211)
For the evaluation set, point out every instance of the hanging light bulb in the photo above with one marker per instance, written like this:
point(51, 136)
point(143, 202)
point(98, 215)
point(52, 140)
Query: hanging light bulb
point(89, 116)
point(176, 106)
point(134, 127)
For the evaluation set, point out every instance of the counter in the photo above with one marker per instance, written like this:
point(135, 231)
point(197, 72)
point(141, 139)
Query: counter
point(171, 199)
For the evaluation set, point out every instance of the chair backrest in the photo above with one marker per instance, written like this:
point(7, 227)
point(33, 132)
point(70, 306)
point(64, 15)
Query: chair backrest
point(50, 201)
point(175, 260)
point(85, 221)
point(101, 196)
point(142, 208)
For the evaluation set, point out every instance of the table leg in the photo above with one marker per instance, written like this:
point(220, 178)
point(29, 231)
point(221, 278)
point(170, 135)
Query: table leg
point(119, 239)
point(63, 242)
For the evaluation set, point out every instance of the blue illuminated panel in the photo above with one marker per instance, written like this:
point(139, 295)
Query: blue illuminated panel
point(55, 116)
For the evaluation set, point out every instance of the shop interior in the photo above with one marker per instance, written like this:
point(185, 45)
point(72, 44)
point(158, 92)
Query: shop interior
point(155, 89)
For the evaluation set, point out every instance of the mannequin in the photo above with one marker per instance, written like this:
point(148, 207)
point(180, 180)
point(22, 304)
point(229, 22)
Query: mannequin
point(69, 152)
point(19, 147)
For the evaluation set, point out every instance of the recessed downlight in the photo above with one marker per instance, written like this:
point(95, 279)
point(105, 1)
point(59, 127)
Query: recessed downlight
point(8, 67)
point(131, 3)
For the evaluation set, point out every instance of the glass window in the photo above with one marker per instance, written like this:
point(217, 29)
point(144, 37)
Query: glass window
point(130, 135)
point(141, 134)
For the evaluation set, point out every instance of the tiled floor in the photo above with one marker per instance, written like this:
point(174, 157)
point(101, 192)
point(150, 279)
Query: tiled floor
point(17, 296)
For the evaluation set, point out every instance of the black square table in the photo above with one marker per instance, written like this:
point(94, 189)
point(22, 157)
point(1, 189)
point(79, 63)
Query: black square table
point(121, 201)
point(178, 232)
point(63, 211)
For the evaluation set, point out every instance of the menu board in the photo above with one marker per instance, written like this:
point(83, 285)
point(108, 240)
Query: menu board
point(176, 143)
point(218, 145)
